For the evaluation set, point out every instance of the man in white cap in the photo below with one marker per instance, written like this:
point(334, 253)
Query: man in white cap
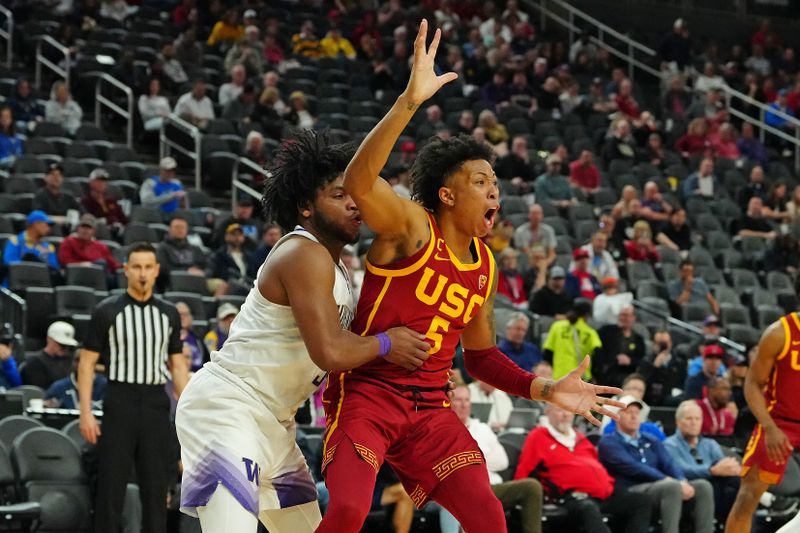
point(163, 191)
point(54, 361)
point(215, 338)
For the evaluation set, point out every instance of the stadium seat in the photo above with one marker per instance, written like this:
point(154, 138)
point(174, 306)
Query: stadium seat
point(91, 276)
point(73, 299)
point(41, 304)
point(193, 300)
point(725, 295)
point(12, 510)
point(139, 232)
point(767, 314)
point(512, 205)
point(182, 281)
point(744, 280)
point(734, 314)
point(26, 274)
point(777, 281)
point(639, 271)
point(742, 334)
point(13, 426)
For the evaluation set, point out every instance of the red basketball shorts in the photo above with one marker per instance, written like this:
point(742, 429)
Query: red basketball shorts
point(756, 452)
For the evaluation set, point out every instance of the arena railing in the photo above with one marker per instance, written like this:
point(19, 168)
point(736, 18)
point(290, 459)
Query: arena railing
point(12, 310)
point(691, 329)
point(41, 60)
point(237, 185)
point(100, 100)
point(7, 33)
point(167, 145)
point(638, 56)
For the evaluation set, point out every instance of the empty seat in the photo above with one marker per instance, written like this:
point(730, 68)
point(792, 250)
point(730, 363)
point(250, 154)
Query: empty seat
point(734, 314)
point(744, 280)
point(639, 271)
point(91, 276)
point(743, 334)
point(27, 274)
point(193, 300)
point(779, 281)
point(41, 304)
point(186, 282)
point(696, 312)
point(146, 215)
point(725, 295)
point(72, 300)
point(12, 427)
point(139, 232)
point(512, 205)
point(767, 314)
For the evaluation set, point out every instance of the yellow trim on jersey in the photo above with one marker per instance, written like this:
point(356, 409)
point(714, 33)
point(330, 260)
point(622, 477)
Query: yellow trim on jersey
point(786, 338)
point(492, 269)
point(466, 267)
point(335, 422)
point(752, 445)
point(388, 272)
point(377, 304)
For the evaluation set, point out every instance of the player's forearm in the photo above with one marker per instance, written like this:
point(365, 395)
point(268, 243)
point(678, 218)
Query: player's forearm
point(493, 367)
point(346, 351)
point(374, 151)
point(754, 394)
point(85, 382)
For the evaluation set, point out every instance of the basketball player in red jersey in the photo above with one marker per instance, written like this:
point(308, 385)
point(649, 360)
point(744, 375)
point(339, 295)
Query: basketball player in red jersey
point(426, 269)
point(771, 389)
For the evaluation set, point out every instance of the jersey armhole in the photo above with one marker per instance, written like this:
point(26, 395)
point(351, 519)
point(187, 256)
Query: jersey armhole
point(787, 334)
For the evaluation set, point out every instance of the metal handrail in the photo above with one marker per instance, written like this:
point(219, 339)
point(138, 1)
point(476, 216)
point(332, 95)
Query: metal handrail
point(100, 100)
point(166, 145)
point(236, 184)
point(7, 33)
point(686, 326)
point(13, 310)
point(64, 71)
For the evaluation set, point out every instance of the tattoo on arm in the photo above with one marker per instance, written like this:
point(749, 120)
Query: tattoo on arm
point(547, 388)
point(411, 106)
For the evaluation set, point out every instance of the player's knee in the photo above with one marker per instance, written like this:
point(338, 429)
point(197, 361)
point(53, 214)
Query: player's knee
point(349, 514)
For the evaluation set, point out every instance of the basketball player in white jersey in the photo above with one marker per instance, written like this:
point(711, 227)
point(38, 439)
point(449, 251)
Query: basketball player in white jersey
point(235, 419)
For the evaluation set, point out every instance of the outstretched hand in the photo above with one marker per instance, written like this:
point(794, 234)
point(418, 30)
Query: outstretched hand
point(424, 82)
point(579, 397)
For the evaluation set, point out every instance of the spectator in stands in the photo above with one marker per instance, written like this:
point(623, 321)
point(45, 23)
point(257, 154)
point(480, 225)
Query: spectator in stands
point(52, 199)
point(756, 187)
point(10, 141)
point(198, 353)
point(433, 123)
point(510, 282)
point(54, 361)
point(273, 51)
point(567, 464)
point(226, 31)
point(553, 188)
point(601, 263)
point(552, 299)
point(173, 69)
point(689, 289)
point(62, 109)
point(335, 45)
point(571, 339)
point(776, 203)
point(176, 253)
point(709, 79)
point(267, 112)
point(709, 335)
point(702, 458)
point(244, 215)
point(496, 92)
point(187, 49)
point(676, 48)
point(502, 406)
point(783, 255)
point(101, 204)
point(634, 385)
point(622, 349)
point(524, 494)
point(124, 69)
point(677, 100)
point(29, 245)
point(711, 108)
point(580, 282)
point(82, 248)
point(247, 52)
point(9, 374)
point(626, 104)
point(641, 463)
point(753, 223)
point(231, 90)
point(655, 209)
point(256, 151)
point(654, 152)
point(583, 173)
point(536, 234)
point(663, 370)
point(26, 108)
point(524, 353)
point(270, 235)
point(227, 266)
point(758, 63)
point(299, 115)
point(695, 140)
point(195, 106)
point(752, 148)
point(63, 393)
point(306, 43)
point(608, 305)
point(620, 145)
point(719, 411)
point(466, 123)
point(215, 338)
point(496, 133)
point(240, 109)
point(703, 183)
point(597, 100)
point(640, 247)
point(516, 167)
point(724, 143)
point(164, 191)
point(153, 106)
point(696, 385)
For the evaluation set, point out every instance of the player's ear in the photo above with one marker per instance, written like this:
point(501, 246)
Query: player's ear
point(304, 209)
point(446, 196)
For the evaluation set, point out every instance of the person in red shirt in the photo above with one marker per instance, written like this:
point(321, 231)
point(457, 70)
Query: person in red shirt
point(625, 101)
point(101, 204)
point(82, 247)
point(583, 173)
point(641, 247)
point(719, 413)
point(509, 280)
point(695, 140)
point(566, 464)
point(580, 282)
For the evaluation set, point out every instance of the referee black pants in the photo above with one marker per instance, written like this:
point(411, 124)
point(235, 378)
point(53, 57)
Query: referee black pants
point(135, 431)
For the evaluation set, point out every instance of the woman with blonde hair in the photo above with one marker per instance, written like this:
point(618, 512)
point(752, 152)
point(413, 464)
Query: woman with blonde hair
point(695, 141)
point(622, 208)
point(641, 247)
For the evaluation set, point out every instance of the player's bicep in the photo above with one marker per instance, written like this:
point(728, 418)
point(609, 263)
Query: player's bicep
point(770, 346)
point(481, 332)
point(382, 209)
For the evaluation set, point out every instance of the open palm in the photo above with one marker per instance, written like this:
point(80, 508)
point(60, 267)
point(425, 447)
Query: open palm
point(579, 397)
point(424, 82)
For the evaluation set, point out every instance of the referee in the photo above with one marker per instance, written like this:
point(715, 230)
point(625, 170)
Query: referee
point(137, 337)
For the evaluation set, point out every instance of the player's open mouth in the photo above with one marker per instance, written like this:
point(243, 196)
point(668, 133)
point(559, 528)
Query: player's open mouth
point(488, 217)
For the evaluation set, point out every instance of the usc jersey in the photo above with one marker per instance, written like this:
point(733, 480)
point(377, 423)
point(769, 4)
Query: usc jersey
point(783, 389)
point(431, 292)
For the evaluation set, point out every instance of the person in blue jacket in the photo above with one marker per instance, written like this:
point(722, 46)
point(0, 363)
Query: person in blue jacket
point(9, 374)
point(640, 462)
point(30, 245)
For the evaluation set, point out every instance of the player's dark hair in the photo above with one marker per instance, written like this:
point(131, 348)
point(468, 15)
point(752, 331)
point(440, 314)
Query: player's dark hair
point(301, 165)
point(141, 246)
point(438, 160)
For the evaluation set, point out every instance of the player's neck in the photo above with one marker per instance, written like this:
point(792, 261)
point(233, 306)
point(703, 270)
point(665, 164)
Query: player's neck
point(458, 241)
point(333, 245)
point(140, 296)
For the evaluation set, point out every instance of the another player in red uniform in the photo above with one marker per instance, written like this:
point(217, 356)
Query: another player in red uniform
point(428, 270)
point(771, 389)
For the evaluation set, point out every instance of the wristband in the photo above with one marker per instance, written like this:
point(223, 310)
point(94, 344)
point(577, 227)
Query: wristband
point(385, 344)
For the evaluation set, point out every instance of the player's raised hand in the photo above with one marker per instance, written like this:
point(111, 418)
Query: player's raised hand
point(578, 396)
point(424, 82)
point(409, 348)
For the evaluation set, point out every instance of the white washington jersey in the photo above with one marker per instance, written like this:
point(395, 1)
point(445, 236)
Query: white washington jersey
point(266, 351)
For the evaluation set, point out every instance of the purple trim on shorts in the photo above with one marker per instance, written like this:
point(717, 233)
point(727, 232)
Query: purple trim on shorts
point(199, 486)
point(295, 488)
point(384, 343)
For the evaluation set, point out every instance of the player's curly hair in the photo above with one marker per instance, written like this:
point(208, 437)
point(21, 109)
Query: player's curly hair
point(438, 160)
point(301, 165)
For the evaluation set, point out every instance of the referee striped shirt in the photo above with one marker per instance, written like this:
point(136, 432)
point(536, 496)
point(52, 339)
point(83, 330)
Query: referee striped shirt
point(135, 339)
